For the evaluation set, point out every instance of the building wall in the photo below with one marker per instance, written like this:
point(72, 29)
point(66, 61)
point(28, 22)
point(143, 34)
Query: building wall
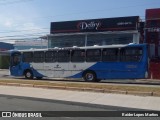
point(153, 31)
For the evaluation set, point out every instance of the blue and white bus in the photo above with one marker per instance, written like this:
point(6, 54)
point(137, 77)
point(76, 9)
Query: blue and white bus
point(92, 63)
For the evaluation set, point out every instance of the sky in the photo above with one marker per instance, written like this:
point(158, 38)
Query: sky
point(30, 19)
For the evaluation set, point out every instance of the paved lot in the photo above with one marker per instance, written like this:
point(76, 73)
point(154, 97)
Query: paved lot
point(102, 100)
point(128, 101)
point(19, 103)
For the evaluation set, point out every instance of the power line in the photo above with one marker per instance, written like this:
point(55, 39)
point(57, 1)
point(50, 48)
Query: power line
point(22, 35)
point(16, 39)
point(24, 30)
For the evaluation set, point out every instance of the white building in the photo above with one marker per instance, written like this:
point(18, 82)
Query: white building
point(107, 31)
point(28, 44)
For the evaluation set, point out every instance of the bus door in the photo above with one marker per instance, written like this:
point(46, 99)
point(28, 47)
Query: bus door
point(15, 68)
point(38, 63)
point(77, 64)
point(50, 61)
point(61, 66)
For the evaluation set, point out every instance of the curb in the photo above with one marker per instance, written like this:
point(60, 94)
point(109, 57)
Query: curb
point(140, 93)
point(82, 89)
point(26, 85)
point(3, 83)
point(115, 91)
point(13, 84)
point(57, 87)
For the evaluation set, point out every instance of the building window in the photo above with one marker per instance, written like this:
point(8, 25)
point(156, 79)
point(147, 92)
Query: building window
point(91, 39)
point(67, 41)
point(153, 37)
point(153, 23)
point(109, 39)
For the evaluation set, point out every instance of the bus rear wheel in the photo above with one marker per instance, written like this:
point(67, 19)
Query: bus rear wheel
point(39, 78)
point(28, 74)
point(89, 76)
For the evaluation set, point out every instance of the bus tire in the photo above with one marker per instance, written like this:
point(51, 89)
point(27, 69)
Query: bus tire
point(39, 78)
point(28, 74)
point(89, 76)
point(97, 80)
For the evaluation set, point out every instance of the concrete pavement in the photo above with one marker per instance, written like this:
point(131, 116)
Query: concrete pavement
point(129, 101)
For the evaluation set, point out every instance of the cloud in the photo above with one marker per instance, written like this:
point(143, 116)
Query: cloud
point(20, 30)
point(19, 22)
point(33, 28)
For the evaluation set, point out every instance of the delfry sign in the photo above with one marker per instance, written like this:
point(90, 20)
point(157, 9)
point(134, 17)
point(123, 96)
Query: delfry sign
point(89, 25)
point(96, 25)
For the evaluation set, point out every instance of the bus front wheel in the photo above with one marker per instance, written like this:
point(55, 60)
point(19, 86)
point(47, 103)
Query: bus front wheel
point(28, 74)
point(89, 76)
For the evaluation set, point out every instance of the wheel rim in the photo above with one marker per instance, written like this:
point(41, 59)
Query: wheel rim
point(28, 75)
point(89, 76)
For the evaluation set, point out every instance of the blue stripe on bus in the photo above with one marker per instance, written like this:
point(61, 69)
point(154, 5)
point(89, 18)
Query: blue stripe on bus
point(117, 70)
point(37, 74)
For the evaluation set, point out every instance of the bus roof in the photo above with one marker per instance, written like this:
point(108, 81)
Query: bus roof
point(87, 47)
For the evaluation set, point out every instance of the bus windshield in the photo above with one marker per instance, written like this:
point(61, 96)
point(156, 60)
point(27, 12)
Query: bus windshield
point(15, 58)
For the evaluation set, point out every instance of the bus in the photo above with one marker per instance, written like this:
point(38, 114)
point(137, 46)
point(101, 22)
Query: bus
point(92, 63)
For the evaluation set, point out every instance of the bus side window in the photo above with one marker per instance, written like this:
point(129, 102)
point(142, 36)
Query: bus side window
point(63, 56)
point(93, 55)
point(28, 56)
point(110, 54)
point(50, 56)
point(78, 56)
point(38, 56)
point(131, 54)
